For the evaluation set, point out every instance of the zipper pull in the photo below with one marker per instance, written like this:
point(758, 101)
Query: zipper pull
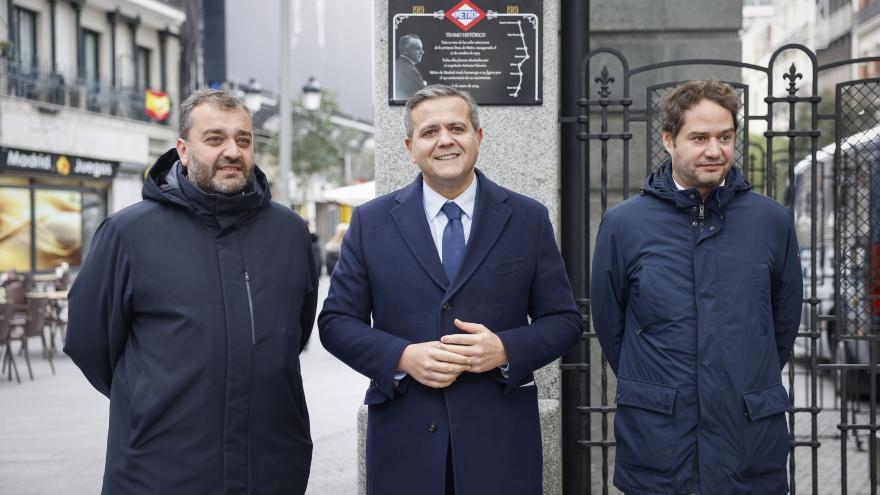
point(702, 211)
point(247, 278)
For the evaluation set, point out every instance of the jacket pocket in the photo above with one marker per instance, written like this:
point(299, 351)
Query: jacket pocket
point(509, 266)
point(765, 442)
point(761, 279)
point(644, 426)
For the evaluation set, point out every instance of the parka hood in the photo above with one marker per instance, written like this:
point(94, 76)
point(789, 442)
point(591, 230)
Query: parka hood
point(167, 183)
point(660, 184)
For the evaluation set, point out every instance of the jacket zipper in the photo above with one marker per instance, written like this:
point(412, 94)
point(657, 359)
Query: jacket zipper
point(247, 284)
point(702, 211)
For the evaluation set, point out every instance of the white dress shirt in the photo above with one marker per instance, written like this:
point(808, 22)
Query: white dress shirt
point(434, 201)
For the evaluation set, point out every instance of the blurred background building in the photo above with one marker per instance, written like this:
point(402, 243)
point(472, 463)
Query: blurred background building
point(86, 104)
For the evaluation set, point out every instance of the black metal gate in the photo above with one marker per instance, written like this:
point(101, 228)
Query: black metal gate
point(822, 162)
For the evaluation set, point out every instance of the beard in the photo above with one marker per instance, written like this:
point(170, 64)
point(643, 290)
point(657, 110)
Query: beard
point(205, 176)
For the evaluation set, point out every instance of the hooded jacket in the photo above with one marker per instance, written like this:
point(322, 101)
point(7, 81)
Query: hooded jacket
point(696, 305)
point(189, 313)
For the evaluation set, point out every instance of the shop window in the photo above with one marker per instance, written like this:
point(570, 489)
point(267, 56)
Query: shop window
point(58, 218)
point(94, 210)
point(15, 228)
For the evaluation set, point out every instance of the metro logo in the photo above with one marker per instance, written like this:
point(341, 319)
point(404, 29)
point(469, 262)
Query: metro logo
point(465, 15)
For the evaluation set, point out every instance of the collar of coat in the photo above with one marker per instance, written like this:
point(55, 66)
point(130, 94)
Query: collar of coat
point(660, 184)
point(491, 214)
point(167, 183)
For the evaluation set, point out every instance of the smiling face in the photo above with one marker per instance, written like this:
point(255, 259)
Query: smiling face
point(218, 152)
point(444, 144)
point(702, 152)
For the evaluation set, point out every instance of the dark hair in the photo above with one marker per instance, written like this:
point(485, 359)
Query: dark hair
point(221, 97)
point(682, 98)
point(439, 91)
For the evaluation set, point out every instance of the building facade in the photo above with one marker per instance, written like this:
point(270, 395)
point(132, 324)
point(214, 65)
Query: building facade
point(87, 97)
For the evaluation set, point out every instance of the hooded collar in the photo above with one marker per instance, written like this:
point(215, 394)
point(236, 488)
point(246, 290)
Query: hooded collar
point(661, 185)
point(167, 183)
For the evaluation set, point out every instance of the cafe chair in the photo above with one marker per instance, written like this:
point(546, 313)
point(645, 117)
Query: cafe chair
point(33, 325)
point(7, 311)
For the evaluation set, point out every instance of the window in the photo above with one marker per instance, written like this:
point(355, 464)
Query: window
point(143, 61)
point(91, 61)
point(26, 39)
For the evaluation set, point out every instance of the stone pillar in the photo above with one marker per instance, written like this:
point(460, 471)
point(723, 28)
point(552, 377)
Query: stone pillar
point(520, 151)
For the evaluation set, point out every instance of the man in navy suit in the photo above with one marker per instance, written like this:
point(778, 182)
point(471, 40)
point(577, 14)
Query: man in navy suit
point(448, 295)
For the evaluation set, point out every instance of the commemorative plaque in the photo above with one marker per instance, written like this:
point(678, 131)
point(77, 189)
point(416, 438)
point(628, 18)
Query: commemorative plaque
point(491, 48)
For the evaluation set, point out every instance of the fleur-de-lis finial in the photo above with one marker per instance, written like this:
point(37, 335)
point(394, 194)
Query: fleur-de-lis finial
point(792, 75)
point(604, 80)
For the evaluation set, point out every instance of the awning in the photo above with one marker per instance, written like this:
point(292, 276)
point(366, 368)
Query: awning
point(354, 195)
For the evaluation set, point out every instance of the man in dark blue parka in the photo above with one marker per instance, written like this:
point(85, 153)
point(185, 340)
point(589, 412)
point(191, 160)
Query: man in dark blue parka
point(696, 300)
point(190, 312)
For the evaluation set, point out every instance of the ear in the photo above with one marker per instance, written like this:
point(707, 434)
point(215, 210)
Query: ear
point(181, 151)
point(668, 141)
point(480, 135)
point(409, 144)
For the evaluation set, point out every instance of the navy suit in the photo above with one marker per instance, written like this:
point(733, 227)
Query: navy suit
point(389, 270)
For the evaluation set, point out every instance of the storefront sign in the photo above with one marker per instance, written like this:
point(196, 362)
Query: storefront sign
point(491, 48)
point(43, 163)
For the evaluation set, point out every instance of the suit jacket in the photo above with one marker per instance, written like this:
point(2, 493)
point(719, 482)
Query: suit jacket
point(408, 79)
point(389, 270)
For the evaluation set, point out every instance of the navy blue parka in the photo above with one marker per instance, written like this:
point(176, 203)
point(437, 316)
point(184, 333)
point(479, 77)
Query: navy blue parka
point(189, 313)
point(696, 305)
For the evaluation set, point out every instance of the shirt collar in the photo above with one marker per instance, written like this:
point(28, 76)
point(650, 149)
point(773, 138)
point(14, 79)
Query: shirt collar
point(434, 201)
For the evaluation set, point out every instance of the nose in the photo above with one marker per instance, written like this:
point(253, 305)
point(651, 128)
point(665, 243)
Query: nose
point(231, 151)
point(713, 148)
point(444, 138)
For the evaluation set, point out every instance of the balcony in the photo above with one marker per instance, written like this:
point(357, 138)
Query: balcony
point(55, 88)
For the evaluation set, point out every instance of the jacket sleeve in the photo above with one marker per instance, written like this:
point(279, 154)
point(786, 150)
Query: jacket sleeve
point(555, 321)
point(345, 321)
point(787, 294)
point(100, 308)
point(310, 303)
point(609, 290)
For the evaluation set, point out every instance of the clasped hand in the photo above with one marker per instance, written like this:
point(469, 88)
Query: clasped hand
point(437, 364)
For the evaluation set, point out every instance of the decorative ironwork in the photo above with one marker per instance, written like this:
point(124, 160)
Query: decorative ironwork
point(792, 75)
point(604, 80)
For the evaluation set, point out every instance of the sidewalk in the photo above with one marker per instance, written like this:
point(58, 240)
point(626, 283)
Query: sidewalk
point(53, 429)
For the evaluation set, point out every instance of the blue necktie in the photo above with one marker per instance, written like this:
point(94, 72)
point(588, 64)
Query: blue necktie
point(453, 240)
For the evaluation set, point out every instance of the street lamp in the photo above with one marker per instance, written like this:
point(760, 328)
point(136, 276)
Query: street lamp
point(311, 101)
point(311, 96)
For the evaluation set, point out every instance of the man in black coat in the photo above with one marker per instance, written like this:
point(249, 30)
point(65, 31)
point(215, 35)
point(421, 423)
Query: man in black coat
point(407, 77)
point(190, 312)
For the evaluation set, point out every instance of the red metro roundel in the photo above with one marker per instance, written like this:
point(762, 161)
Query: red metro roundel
point(465, 15)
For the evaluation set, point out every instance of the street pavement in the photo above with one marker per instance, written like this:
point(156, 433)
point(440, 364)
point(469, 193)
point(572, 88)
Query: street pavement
point(53, 430)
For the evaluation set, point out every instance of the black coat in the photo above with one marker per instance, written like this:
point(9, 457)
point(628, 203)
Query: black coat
point(189, 313)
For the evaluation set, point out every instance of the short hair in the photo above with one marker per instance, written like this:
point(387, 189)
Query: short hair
point(439, 91)
point(684, 97)
point(221, 97)
point(406, 39)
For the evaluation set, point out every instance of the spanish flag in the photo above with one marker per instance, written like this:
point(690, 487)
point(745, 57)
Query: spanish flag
point(157, 105)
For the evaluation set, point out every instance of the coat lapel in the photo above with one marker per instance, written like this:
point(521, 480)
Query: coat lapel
point(490, 218)
point(409, 215)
